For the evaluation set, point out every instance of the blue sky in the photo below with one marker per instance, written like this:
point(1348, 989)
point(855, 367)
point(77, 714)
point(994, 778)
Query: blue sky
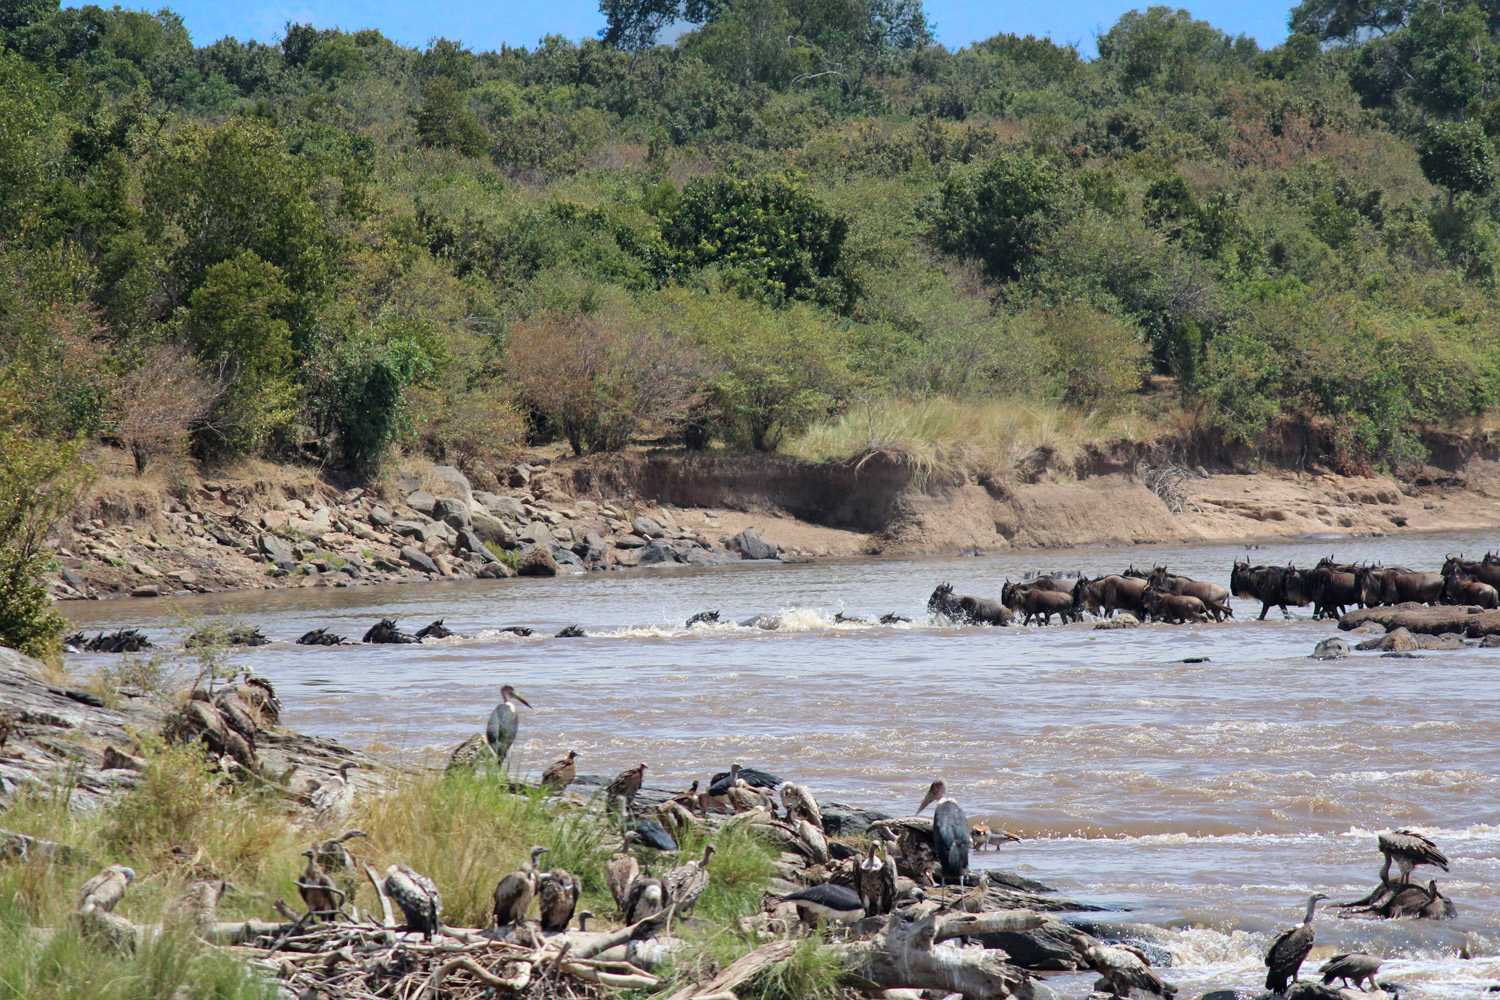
point(486, 24)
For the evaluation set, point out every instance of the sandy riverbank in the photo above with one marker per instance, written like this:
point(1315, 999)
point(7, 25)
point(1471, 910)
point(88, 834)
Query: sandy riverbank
point(265, 526)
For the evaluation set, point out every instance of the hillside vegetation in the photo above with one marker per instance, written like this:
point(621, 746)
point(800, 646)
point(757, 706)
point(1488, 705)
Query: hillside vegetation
point(800, 220)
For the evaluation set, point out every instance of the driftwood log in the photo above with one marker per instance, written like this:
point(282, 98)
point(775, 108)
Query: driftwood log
point(908, 954)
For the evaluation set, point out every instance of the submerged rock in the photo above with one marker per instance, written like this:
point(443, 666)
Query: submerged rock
point(1331, 649)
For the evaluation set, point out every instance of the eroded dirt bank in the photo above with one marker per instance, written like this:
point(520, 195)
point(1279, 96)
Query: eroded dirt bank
point(277, 526)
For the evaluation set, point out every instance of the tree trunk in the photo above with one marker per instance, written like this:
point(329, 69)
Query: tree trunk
point(906, 955)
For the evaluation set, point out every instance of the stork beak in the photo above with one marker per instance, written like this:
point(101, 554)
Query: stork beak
point(520, 699)
point(929, 798)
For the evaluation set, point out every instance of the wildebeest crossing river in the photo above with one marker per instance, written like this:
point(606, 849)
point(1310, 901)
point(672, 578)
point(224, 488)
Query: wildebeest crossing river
point(1207, 799)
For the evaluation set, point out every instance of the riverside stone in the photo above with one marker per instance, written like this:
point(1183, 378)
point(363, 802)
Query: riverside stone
point(419, 560)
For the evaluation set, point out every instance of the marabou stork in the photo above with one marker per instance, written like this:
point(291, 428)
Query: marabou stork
point(950, 831)
point(500, 732)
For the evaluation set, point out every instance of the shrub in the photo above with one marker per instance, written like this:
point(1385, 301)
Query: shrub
point(159, 401)
point(1093, 359)
point(444, 119)
point(765, 231)
point(361, 395)
point(599, 377)
point(999, 215)
point(1458, 157)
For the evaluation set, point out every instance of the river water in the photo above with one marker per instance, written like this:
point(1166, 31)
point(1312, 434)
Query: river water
point(1209, 799)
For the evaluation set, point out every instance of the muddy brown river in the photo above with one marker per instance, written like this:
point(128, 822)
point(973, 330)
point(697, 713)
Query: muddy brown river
point(1205, 800)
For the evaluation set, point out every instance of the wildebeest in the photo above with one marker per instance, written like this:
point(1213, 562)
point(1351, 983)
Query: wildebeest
point(385, 631)
point(1177, 609)
point(1397, 585)
point(571, 632)
point(239, 635)
point(1461, 588)
point(127, 640)
point(1037, 602)
point(1486, 570)
point(1270, 585)
point(1215, 599)
point(703, 618)
point(320, 637)
point(437, 630)
point(1332, 587)
point(1109, 594)
point(966, 610)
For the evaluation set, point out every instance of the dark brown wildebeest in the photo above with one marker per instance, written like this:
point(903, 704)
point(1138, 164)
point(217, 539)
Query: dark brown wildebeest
point(1486, 570)
point(1215, 598)
point(1270, 585)
point(1037, 602)
point(1332, 587)
point(1461, 588)
point(1397, 585)
point(1177, 609)
point(965, 609)
point(1108, 594)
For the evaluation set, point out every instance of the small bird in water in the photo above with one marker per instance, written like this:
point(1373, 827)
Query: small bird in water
point(514, 892)
point(1354, 968)
point(418, 899)
point(500, 731)
point(560, 773)
point(1290, 949)
point(951, 838)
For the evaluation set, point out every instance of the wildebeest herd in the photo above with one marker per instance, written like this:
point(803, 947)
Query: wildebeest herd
point(1330, 587)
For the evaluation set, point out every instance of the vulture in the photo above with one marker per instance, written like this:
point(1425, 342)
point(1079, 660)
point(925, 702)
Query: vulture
point(621, 871)
point(333, 798)
point(500, 731)
point(951, 838)
point(1408, 849)
point(1354, 968)
point(418, 899)
point(260, 698)
point(647, 898)
point(560, 773)
point(317, 890)
point(104, 890)
point(1290, 949)
point(875, 878)
point(1124, 969)
point(685, 883)
point(513, 893)
point(625, 786)
point(557, 895)
point(799, 803)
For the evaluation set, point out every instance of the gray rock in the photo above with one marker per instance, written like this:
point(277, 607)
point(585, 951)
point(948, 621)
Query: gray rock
point(519, 475)
point(381, 517)
point(277, 549)
point(422, 502)
point(643, 525)
point(1446, 641)
point(455, 483)
point(1331, 649)
point(410, 529)
point(491, 529)
point(567, 557)
point(418, 560)
point(469, 541)
point(628, 558)
point(496, 571)
point(656, 553)
point(452, 511)
point(751, 545)
point(536, 533)
point(1397, 640)
point(507, 507)
point(630, 542)
point(1490, 641)
point(537, 561)
point(486, 499)
point(1122, 620)
point(705, 557)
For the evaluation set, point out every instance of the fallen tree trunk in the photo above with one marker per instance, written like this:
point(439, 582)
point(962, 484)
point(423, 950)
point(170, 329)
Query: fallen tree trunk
point(907, 955)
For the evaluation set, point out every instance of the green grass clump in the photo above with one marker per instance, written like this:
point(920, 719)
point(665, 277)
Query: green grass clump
point(813, 971)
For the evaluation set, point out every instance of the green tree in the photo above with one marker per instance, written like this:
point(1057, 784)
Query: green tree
point(361, 396)
point(15, 14)
point(235, 322)
point(999, 215)
point(1458, 157)
point(768, 233)
point(1170, 50)
point(444, 119)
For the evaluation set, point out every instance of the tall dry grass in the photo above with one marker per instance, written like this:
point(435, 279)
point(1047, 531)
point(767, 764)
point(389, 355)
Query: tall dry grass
point(939, 436)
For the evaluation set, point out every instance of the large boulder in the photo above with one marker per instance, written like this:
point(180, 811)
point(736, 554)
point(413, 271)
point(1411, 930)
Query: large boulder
point(751, 545)
point(469, 541)
point(491, 529)
point(537, 561)
point(453, 512)
point(455, 483)
point(422, 502)
point(277, 550)
point(496, 570)
point(418, 560)
point(646, 527)
point(656, 553)
point(536, 533)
